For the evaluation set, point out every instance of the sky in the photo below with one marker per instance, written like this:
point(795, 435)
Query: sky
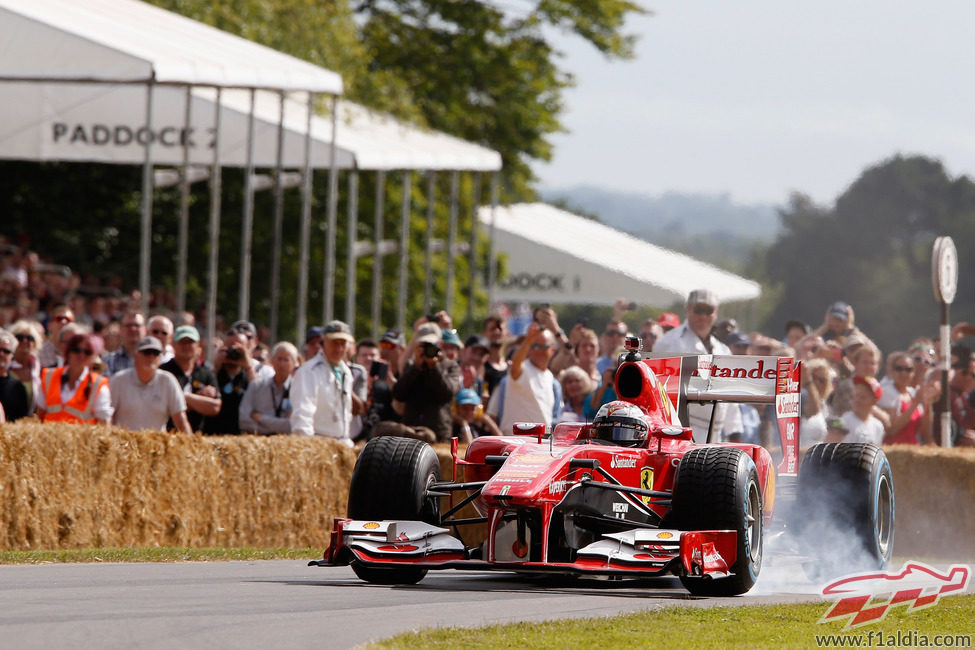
point(760, 98)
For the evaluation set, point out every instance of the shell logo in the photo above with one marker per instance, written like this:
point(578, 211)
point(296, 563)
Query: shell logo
point(664, 535)
point(398, 548)
point(371, 525)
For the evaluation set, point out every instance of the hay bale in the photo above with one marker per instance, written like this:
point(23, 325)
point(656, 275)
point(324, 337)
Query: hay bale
point(75, 486)
point(935, 495)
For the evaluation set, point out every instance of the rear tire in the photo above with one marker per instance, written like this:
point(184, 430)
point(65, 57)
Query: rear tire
point(846, 499)
point(717, 488)
point(390, 481)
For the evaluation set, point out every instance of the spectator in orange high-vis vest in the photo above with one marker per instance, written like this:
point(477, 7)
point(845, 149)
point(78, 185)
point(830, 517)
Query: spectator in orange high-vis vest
point(74, 392)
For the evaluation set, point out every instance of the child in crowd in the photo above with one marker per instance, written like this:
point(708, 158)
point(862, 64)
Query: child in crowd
point(860, 424)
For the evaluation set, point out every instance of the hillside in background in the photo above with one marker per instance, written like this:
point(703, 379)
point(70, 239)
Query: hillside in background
point(710, 227)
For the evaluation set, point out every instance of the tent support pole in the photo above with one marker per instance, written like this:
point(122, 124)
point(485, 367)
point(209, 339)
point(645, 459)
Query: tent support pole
point(305, 236)
point(428, 258)
point(333, 201)
point(247, 229)
point(404, 251)
point(351, 259)
point(278, 221)
point(492, 262)
point(377, 254)
point(452, 239)
point(184, 208)
point(145, 245)
point(472, 254)
point(215, 191)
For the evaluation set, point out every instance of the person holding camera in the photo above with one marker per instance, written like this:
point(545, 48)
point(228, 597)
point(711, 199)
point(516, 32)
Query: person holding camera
point(235, 372)
point(425, 389)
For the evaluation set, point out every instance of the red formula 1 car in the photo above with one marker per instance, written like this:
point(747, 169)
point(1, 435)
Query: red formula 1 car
point(628, 495)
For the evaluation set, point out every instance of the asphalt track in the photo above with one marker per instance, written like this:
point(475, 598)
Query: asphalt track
point(286, 604)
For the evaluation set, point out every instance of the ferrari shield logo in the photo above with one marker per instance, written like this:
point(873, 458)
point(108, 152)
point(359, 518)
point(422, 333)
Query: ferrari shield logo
point(646, 482)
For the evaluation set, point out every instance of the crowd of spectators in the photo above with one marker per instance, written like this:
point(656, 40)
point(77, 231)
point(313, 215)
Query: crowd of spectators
point(68, 353)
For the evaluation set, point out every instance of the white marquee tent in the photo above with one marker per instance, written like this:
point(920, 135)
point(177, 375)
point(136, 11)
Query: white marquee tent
point(555, 256)
point(81, 82)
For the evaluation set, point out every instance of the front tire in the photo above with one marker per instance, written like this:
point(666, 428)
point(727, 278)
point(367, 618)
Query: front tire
point(390, 481)
point(717, 488)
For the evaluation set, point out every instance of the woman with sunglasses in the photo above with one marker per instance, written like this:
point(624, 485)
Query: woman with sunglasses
point(26, 365)
point(74, 392)
point(908, 407)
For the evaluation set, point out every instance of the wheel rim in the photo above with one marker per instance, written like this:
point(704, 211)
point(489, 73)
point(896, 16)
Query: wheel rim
point(885, 515)
point(753, 509)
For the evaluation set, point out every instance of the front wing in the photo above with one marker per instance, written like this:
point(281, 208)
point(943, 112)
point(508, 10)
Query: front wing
point(633, 553)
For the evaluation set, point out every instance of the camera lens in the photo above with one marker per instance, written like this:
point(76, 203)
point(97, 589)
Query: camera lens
point(233, 354)
point(431, 350)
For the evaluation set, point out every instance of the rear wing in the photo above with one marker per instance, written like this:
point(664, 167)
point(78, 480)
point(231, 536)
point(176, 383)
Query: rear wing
point(742, 379)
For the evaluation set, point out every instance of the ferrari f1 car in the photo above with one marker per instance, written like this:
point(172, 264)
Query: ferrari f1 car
point(629, 495)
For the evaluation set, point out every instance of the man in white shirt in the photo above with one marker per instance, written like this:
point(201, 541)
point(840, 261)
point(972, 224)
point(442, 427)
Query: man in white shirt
point(321, 390)
point(693, 336)
point(530, 392)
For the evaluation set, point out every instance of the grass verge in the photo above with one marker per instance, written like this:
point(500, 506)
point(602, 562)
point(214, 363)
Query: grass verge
point(788, 626)
point(157, 554)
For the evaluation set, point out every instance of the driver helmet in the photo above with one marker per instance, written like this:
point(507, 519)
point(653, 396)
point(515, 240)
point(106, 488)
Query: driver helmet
point(620, 423)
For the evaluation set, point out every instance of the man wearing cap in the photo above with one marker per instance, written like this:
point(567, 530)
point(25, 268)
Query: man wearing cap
point(249, 331)
point(314, 339)
point(425, 389)
point(451, 345)
point(472, 363)
point(197, 380)
point(668, 321)
point(694, 337)
point(838, 322)
point(469, 421)
point(145, 398)
point(392, 345)
point(321, 390)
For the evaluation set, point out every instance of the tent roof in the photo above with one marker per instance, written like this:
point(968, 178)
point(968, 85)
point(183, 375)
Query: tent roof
point(130, 40)
point(559, 257)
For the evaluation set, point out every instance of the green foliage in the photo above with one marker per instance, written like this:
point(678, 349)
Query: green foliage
point(873, 250)
point(485, 74)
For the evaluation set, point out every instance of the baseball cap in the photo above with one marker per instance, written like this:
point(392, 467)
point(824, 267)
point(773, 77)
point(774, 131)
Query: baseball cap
point(702, 297)
point(149, 343)
point(854, 340)
point(313, 332)
point(428, 333)
point(186, 332)
point(336, 329)
point(245, 326)
point(839, 309)
point(468, 396)
point(450, 338)
point(477, 341)
point(393, 336)
point(738, 338)
point(870, 383)
point(668, 320)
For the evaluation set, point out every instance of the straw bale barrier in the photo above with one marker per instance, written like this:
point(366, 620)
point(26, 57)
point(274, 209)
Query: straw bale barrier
point(935, 501)
point(73, 486)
